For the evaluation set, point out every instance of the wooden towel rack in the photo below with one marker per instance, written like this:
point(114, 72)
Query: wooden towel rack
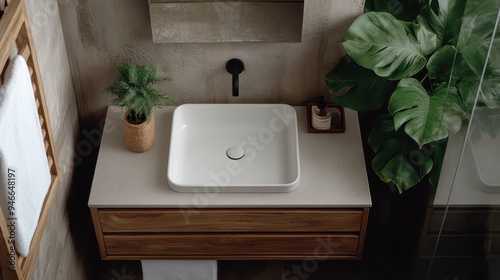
point(16, 38)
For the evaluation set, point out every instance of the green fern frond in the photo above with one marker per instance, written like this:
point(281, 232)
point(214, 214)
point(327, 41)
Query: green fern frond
point(132, 90)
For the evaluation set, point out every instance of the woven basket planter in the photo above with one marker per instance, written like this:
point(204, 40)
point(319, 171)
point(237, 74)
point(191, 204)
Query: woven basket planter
point(139, 137)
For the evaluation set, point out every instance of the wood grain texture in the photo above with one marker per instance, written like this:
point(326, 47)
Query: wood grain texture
point(362, 232)
point(231, 258)
point(461, 245)
point(230, 233)
point(98, 231)
point(472, 220)
point(466, 232)
point(228, 245)
point(231, 220)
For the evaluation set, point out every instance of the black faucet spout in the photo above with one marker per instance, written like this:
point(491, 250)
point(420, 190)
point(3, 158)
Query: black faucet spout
point(235, 67)
point(236, 89)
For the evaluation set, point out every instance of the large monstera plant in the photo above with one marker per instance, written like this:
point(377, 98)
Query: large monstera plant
point(422, 60)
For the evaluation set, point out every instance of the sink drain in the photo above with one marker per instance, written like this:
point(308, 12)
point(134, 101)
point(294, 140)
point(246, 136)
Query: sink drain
point(235, 152)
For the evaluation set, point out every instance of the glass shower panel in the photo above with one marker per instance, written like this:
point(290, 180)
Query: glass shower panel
point(461, 238)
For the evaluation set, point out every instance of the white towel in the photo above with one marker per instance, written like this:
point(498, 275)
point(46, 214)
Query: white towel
point(24, 170)
point(179, 270)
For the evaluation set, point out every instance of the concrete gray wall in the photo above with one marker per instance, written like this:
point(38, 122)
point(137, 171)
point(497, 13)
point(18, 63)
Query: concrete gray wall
point(100, 34)
point(57, 257)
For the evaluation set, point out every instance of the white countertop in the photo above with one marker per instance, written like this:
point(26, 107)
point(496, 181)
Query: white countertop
point(333, 172)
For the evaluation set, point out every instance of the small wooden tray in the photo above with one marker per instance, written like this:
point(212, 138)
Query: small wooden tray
point(334, 128)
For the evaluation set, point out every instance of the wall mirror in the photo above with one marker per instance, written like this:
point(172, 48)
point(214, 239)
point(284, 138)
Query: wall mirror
point(198, 21)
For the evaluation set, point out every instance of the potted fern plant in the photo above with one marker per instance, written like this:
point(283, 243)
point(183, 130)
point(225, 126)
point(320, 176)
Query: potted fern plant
point(133, 90)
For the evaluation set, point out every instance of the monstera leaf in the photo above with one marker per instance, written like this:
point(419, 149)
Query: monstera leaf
point(401, 9)
point(426, 118)
point(392, 48)
point(478, 41)
point(436, 151)
point(447, 61)
point(441, 63)
point(489, 92)
point(476, 34)
point(443, 20)
point(398, 158)
point(367, 91)
point(382, 126)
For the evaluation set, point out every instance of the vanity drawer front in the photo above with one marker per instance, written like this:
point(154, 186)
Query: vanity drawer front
point(230, 245)
point(476, 221)
point(462, 245)
point(224, 220)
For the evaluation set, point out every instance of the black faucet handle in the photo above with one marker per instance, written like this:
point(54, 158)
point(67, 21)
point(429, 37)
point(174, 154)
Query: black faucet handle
point(235, 67)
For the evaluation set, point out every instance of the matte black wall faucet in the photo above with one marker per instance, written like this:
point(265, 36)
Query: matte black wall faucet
point(235, 67)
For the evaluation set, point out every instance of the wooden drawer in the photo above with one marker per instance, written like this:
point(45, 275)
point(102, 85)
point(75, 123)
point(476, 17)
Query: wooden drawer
point(231, 246)
point(462, 245)
point(231, 234)
point(466, 221)
point(229, 220)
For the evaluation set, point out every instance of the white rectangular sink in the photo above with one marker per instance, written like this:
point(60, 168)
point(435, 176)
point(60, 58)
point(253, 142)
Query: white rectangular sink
point(486, 155)
point(234, 148)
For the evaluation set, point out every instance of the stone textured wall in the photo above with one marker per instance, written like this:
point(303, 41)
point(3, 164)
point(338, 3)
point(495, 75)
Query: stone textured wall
point(57, 258)
point(100, 34)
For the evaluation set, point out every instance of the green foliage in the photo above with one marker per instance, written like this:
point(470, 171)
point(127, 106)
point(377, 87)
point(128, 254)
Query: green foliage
point(473, 45)
point(392, 48)
point(426, 118)
point(397, 159)
point(442, 20)
point(364, 84)
point(401, 9)
point(133, 90)
point(424, 59)
point(438, 66)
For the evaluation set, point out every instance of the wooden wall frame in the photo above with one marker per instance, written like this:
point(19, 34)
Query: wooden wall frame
point(16, 38)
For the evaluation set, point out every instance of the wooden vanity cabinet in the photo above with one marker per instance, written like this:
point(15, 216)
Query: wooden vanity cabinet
point(230, 234)
point(141, 217)
point(466, 232)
